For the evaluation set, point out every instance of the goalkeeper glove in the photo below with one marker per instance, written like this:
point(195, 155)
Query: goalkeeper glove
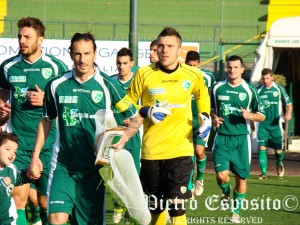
point(156, 113)
point(204, 129)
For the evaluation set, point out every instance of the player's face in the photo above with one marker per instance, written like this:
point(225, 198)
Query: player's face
point(267, 80)
point(83, 56)
point(29, 42)
point(8, 151)
point(124, 65)
point(153, 54)
point(194, 63)
point(168, 50)
point(235, 70)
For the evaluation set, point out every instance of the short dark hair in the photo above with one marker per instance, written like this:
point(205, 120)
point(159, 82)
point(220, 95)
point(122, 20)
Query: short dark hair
point(82, 36)
point(266, 71)
point(154, 43)
point(125, 52)
point(236, 58)
point(8, 136)
point(170, 31)
point(33, 22)
point(192, 56)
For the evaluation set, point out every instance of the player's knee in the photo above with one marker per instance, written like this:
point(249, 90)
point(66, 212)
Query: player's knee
point(176, 210)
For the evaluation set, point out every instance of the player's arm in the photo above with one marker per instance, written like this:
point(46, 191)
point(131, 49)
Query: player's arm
point(36, 167)
point(203, 104)
point(258, 113)
point(287, 102)
point(255, 117)
point(288, 112)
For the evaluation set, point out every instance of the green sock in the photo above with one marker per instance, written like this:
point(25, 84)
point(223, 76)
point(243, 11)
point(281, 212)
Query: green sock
point(21, 217)
point(238, 198)
point(263, 161)
point(44, 216)
point(225, 188)
point(279, 158)
point(35, 213)
point(201, 164)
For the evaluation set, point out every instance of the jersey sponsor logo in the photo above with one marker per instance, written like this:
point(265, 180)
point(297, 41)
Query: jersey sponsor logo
point(46, 72)
point(171, 105)
point(156, 91)
point(69, 116)
point(169, 81)
point(31, 70)
point(20, 94)
point(186, 84)
point(264, 96)
point(68, 99)
point(17, 79)
point(232, 92)
point(242, 96)
point(275, 93)
point(227, 109)
point(266, 104)
point(223, 97)
point(183, 189)
point(81, 90)
point(97, 96)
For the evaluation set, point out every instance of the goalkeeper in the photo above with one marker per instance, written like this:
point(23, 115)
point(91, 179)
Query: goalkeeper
point(165, 89)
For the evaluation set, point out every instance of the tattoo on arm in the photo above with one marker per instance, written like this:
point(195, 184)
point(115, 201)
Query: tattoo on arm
point(134, 125)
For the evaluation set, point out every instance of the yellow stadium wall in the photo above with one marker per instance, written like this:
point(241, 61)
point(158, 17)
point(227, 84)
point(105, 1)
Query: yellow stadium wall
point(282, 8)
point(3, 10)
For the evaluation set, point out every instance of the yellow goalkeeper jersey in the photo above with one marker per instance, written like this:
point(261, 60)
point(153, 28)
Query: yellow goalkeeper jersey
point(173, 136)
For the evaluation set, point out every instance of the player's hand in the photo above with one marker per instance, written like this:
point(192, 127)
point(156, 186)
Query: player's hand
point(156, 113)
point(288, 116)
point(5, 109)
point(247, 114)
point(121, 143)
point(126, 122)
point(36, 98)
point(35, 169)
point(205, 126)
point(217, 121)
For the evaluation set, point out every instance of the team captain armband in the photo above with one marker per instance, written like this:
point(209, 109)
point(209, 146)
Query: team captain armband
point(124, 104)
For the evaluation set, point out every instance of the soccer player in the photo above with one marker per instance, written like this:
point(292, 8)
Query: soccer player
point(124, 64)
point(153, 52)
point(234, 104)
point(269, 134)
point(22, 82)
point(73, 100)
point(193, 59)
point(165, 89)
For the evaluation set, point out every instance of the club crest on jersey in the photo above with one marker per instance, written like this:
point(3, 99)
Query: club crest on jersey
point(242, 96)
point(183, 189)
point(275, 93)
point(46, 72)
point(186, 84)
point(97, 96)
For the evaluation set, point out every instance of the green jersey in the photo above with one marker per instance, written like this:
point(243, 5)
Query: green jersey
point(75, 104)
point(228, 101)
point(8, 211)
point(135, 141)
point(19, 76)
point(273, 99)
point(209, 80)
